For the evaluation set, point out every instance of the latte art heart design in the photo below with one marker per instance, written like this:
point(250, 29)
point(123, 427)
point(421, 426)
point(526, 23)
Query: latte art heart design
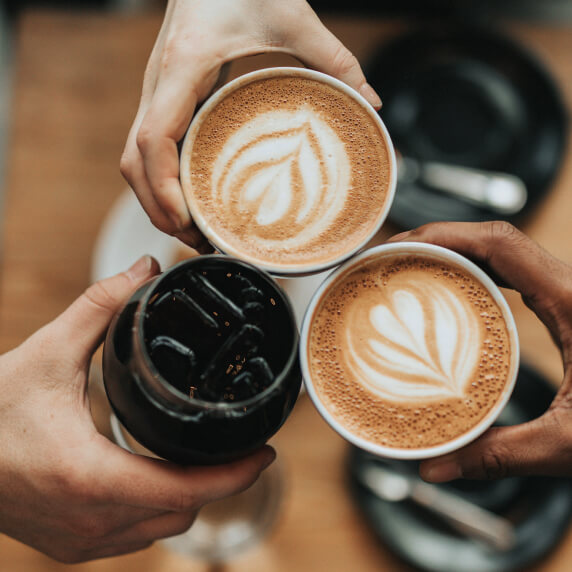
point(285, 174)
point(423, 342)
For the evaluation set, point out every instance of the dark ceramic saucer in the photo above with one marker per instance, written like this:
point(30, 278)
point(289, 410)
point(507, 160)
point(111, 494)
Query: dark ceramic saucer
point(539, 507)
point(471, 97)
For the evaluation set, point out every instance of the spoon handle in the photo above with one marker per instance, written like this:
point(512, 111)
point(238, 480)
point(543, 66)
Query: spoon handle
point(499, 192)
point(470, 518)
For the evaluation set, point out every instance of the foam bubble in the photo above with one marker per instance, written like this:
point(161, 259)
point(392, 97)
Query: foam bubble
point(415, 365)
point(286, 173)
point(290, 171)
point(416, 341)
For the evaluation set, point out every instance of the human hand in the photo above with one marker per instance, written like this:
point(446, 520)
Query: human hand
point(65, 489)
point(542, 446)
point(196, 39)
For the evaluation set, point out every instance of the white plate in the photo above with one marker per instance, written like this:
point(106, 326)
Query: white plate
point(126, 235)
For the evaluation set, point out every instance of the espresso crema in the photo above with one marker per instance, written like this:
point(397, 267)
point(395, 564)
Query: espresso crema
point(287, 171)
point(408, 351)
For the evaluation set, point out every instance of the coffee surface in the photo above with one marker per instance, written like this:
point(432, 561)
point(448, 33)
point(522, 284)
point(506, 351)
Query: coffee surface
point(289, 171)
point(409, 351)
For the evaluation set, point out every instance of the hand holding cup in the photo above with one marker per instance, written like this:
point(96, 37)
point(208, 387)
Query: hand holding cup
point(409, 350)
point(197, 39)
point(65, 489)
point(541, 446)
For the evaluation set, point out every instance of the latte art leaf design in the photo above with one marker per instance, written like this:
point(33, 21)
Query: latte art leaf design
point(422, 342)
point(285, 174)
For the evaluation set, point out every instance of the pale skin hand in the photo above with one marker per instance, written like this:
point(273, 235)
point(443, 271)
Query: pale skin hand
point(542, 446)
point(196, 39)
point(65, 489)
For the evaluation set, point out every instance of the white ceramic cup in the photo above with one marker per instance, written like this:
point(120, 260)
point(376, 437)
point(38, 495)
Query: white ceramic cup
point(226, 245)
point(435, 253)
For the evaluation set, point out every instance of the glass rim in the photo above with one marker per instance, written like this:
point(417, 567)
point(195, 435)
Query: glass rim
point(168, 390)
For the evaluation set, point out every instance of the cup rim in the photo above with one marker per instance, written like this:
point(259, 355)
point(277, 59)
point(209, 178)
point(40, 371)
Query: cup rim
point(222, 245)
point(167, 390)
point(447, 255)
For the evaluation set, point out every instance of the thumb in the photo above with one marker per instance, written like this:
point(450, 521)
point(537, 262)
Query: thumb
point(314, 45)
point(82, 325)
point(533, 448)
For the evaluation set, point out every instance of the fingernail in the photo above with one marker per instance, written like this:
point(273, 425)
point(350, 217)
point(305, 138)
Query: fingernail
point(441, 472)
point(370, 94)
point(141, 268)
point(399, 237)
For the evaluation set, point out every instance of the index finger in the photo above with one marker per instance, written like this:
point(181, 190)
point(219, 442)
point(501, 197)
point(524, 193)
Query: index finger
point(166, 120)
point(318, 48)
point(518, 261)
point(141, 481)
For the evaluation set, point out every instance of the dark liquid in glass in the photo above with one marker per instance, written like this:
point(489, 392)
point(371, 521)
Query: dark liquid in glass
point(201, 366)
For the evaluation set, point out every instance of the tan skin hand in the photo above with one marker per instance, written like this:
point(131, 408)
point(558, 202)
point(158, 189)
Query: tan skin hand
point(65, 489)
point(197, 38)
point(542, 446)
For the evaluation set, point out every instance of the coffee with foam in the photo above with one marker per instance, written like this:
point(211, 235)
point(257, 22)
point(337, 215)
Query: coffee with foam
point(288, 169)
point(409, 351)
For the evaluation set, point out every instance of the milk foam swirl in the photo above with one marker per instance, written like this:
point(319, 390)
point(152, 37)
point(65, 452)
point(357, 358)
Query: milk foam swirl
point(285, 174)
point(423, 342)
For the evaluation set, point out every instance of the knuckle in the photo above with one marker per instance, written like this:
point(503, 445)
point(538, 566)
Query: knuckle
point(500, 233)
point(98, 295)
point(144, 137)
point(501, 230)
point(70, 481)
point(493, 465)
point(344, 61)
point(187, 47)
point(429, 229)
point(175, 45)
point(555, 426)
point(65, 478)
point(126, 166)
point(77, 516)
point(185, 501)
point(78, 489)
point(562, 442)
point(162, 221)
point(86, 527)
point(560, 407)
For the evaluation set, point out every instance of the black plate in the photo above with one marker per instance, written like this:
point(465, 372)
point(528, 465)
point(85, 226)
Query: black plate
point(539, 507)
point(471, 97)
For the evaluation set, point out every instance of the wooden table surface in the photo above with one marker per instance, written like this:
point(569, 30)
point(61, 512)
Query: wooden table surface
point(76, 91)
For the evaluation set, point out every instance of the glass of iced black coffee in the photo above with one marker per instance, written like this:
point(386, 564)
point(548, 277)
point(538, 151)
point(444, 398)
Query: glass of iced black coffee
point(201, 366)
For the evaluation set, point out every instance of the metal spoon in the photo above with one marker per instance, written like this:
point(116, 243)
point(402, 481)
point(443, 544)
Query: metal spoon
point(464, 516)
point(498, 192)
